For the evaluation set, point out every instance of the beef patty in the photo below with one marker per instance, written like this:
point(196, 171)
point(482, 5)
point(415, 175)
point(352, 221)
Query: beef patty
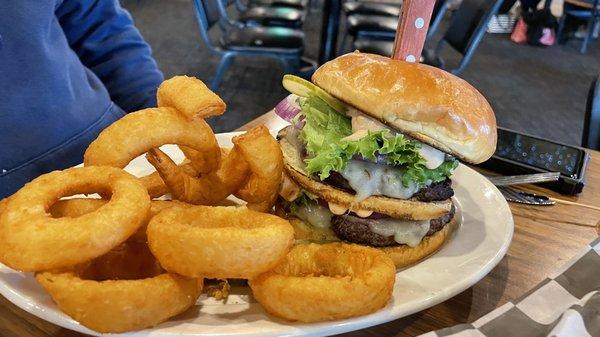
point(355, 229)
point(435, 192)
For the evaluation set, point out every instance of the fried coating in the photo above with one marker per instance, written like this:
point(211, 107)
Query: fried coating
point(123, 290)
point(31, 240)
point(218, 242)
point(140, 131)
point(190, 96)
point(326, 282)
point(265, 159)
point(77, 207)
point(208, 189)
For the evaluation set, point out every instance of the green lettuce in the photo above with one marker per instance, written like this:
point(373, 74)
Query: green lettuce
point(323, 132)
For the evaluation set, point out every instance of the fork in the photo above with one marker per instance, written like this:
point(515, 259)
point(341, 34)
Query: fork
point(524, 178)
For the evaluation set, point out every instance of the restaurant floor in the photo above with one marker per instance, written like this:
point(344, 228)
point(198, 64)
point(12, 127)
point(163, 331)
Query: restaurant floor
point(541, 91)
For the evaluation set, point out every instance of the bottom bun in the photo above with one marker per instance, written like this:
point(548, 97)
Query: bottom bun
point(402, 255)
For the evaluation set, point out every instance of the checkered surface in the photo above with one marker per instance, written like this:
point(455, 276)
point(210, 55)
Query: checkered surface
point(567, 303)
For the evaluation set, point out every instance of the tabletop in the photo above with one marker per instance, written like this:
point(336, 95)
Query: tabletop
point(544, 239)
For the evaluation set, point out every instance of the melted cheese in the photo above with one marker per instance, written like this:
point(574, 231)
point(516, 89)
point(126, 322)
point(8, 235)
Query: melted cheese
point(314, 214)
point(433, 157)
point(369, 179)
point(362, 122)
point(404, 232)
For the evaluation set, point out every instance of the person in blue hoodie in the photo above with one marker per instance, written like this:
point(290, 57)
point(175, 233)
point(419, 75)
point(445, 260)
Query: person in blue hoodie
point(68, 69)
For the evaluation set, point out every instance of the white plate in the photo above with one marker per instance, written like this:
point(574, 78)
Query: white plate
point(476, 246)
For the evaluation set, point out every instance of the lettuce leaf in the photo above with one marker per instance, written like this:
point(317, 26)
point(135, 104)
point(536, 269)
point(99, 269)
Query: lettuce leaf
point(323, 132)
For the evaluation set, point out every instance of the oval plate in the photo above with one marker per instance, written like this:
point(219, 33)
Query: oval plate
point(478, 243)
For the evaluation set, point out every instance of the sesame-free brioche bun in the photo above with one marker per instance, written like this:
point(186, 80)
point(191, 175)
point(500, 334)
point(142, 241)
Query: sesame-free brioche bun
point(409, 209)
point(423, 102)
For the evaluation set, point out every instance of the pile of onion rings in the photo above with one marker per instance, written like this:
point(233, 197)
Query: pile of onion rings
point(125, 262)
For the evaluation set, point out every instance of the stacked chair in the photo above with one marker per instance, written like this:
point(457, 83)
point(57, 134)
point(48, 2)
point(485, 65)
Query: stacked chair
point(299, 4)
point(378, 20)
point(274, 13)
point(250, 38)
point(464, 34)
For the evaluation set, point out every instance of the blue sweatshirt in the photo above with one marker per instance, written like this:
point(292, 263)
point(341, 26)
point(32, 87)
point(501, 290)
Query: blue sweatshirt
point(68, 69)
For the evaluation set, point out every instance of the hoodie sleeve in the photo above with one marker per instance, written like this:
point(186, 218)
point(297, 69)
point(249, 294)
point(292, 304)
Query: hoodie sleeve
point(102, 34)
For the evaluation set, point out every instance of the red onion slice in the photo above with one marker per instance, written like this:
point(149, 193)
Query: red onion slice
point(288, 108)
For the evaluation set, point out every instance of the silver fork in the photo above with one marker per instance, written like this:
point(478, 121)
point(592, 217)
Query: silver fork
point(524, 178)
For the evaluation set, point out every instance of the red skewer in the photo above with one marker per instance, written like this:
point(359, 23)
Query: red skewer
point(412, 29)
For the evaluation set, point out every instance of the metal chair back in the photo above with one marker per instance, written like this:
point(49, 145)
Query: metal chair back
point(591, 122)
point(207, 15)
point(439, 11)
point(581, 10)
point(213, 12)
point(467, 28)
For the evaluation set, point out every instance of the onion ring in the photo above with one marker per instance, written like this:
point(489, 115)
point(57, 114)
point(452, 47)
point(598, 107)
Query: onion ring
point(190, 96)
point(156, 186)
point(265, 206)
point(3, 203)
point(263, 155)
point(121, 291)
point(208, 189)
point(326, 282)
point(218, 242)
point(197, 160)
point(79, 206)
point(31, 240)
point(140, 131)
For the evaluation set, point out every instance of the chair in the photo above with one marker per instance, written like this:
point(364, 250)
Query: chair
point(383, 27)
point(372, 8)
point(299, 4)
point(591, 122)
point(273, 16)
point(584, 10)
point(264, 15)
point(283, 44)
point(466, 30)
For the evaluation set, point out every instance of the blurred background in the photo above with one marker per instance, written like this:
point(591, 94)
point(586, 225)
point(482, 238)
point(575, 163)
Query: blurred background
point(540, 90)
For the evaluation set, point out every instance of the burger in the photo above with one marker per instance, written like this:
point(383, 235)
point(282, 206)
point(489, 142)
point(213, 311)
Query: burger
point(370, 152)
